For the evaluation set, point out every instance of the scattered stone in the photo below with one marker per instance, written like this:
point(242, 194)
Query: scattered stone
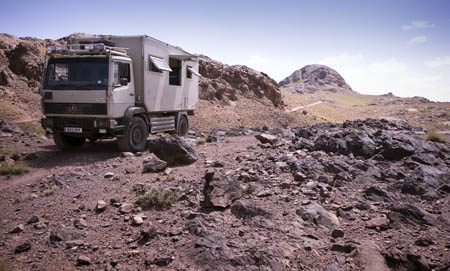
point(344, 248)
point(318, 215)
point(33, 219)
point(126, 208)
point(108, 175)
point(266, 138)
point(245, 209)
point(410, 214)
point(337, 233)
point(127, 154)
point(220, 191)
point(83, 260)
point(101, 206)
point(80, 223)
point(22, 248)
point(152, 163)
point(369, 257)
point(380, 222)
point(74, 243)
point(17, 229)
point(424, 242)
point(137, 220)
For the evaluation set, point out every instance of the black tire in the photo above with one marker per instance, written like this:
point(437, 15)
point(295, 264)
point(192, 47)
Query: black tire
point(183, 126)
point(68, 143)
point(135, 137)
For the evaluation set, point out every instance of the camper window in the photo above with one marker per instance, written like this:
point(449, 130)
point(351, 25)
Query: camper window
point(189, 72)
point(158, 64)
point(175, 74)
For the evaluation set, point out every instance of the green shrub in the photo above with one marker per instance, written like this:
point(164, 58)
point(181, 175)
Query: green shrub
point(157, 199)
point(16, 168)
point(434, 136)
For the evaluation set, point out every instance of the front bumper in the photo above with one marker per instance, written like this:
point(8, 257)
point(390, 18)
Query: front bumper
point(90, 127)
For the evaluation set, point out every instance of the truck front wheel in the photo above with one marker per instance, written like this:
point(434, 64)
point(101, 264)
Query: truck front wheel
point(135, 136)
point(68, 143)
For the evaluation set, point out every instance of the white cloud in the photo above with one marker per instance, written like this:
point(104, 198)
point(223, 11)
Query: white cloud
point(388, 66)
point(419, 39)
point(438, 62)
point(258, 60)
point(342, 59)
point(418, 25)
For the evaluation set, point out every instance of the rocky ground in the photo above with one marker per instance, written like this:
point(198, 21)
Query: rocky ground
point(363, 195)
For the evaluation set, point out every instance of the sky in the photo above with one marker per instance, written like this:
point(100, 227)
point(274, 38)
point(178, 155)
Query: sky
point(378, 46)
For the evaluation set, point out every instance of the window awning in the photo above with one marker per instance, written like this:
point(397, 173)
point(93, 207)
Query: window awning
point(160, 63)
point(184, 57)
point(194, 72)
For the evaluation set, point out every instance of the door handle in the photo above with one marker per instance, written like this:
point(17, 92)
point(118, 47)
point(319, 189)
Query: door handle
point(131, 94)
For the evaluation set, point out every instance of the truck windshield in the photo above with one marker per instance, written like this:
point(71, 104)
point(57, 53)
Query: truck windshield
point(77, 73)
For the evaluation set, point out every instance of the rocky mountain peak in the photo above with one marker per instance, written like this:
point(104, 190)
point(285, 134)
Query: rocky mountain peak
point(315, 77)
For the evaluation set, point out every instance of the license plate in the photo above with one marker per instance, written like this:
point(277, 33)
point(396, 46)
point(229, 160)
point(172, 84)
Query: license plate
point(73, 130)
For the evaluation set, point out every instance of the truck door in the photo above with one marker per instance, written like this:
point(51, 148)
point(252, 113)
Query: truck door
point(123, 87)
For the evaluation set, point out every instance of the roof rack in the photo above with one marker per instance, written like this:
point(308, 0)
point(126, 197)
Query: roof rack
point(87, 49)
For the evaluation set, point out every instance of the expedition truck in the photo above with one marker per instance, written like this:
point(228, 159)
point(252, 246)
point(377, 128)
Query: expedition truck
point(122, 87)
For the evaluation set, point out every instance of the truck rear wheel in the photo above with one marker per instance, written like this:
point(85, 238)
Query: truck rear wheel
point(135, 137)
point(183, 126)
point(68, 143)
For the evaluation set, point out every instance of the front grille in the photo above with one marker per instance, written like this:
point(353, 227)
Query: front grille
point(75, 109)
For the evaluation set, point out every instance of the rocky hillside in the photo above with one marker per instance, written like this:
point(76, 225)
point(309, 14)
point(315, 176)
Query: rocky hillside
point(226, 83)
point(362, 195)
point(313, 78)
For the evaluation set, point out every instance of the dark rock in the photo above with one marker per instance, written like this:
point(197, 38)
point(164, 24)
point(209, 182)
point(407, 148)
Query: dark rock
point(17, 229)
point(337, 233)
point(57, 236)
point(344, 248)
point(33, 219)
point(411, 189)
point(173, 150)
point(220, 191)
point(245, 209)
point(410, 214)
point(266, 138)
point(152, 163)
point(22, 248)
point(377, 194)
point(444, 188)
point(83, 260)
point(424, 242)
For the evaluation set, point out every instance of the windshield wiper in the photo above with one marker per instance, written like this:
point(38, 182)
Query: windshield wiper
point(91, 86)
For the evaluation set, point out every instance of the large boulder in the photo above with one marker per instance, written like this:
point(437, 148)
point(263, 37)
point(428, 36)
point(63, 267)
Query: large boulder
point(312, 78)
point(152, 163)
point(173, 150)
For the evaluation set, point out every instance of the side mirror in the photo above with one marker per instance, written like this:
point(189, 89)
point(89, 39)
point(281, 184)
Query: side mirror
point(123, 81)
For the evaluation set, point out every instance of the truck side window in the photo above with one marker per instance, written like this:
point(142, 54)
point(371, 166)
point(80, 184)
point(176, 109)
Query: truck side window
point(124, 71)
point(188, 72)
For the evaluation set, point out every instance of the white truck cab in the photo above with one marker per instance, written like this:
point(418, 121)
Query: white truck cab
point(117, 86)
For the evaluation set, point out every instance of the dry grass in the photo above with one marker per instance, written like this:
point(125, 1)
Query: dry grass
point(157, 199)
point(434, 136)
point(17, 168)
point(47, 192)
point(4, 265)
point(200, 141)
